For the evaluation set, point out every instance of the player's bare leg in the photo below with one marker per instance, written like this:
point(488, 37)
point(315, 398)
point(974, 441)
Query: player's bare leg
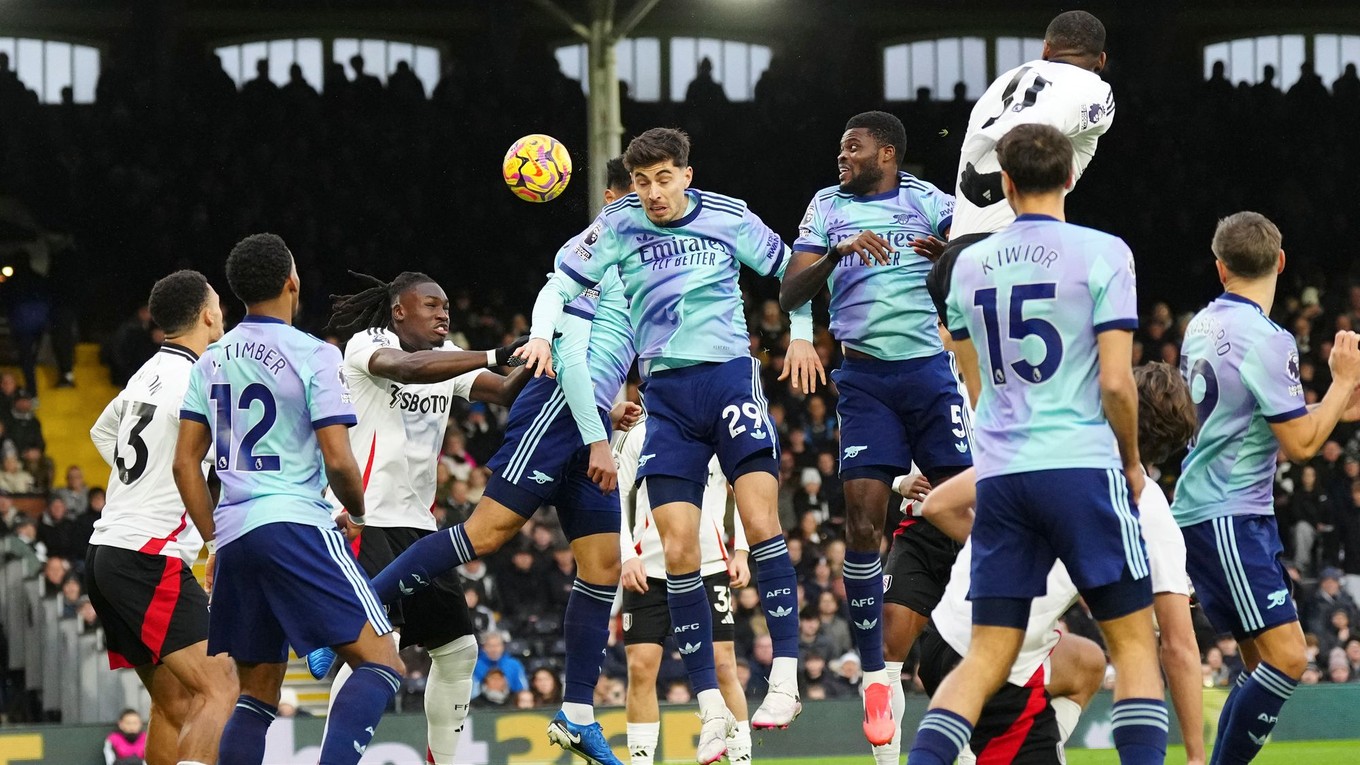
point(1077, 672)
point(1180, 664)
point(866, 501)
point(194, 694)
point(757, 501)
point(243, 736)
point(642, 711)
point(739, 740)
point(162, 736)
point(1275, 660)
point(1139, 708)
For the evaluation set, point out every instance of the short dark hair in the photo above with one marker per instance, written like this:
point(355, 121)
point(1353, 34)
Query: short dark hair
point(177, 299)
point(1166, 414)
point(885, 128)
point(1076, 31)
point(657, 145)
point(258, 267)
point(1037, 157)
point(616, 175)
point(1248, 244)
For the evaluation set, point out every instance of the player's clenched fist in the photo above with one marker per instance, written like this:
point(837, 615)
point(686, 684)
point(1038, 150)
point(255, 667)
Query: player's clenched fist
point(634, 576)
point(870, 247)
point(1345, 359)
point(601, 468)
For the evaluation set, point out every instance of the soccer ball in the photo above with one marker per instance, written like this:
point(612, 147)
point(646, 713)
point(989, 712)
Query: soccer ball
point(537, 168)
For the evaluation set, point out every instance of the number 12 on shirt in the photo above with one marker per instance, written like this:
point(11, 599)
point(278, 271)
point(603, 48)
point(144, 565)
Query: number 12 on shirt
point(243, 456)
point(1019, 328)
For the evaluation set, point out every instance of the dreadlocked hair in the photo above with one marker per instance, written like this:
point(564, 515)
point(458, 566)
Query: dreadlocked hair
point(371, 307)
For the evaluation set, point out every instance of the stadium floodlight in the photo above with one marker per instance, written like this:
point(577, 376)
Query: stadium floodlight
point(7, 271)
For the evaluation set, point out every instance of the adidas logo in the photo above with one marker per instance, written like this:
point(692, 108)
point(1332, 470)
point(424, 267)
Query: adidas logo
point(961, 446)
point(540, 478)
point(867, 624)
point(404, 589)
point(852, 452)
point(360, 748)
point(1258, 740)
point(689, 648)
point(780, 611)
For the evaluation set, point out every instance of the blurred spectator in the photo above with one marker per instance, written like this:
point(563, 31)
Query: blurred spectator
point(493, 658)
point(1328, 598)
point(762, 660)
point(704, 91)
point(74, 493)
point(135, 341)
point(848, 669)
point(483, 619)
point(40, 466)
point(455, 457)
point(482, 433)
point(561, 576)
point(126, 745)
point(491, 690)
point(546, 688)
point(26, 531)
point(834, 626)
point(1339, 630)
point(476, 574)
point(94, 510)
point(55, 572)
point(820, 425)
point(13, 478)
point(1311, 675)
point(23, 427)
point(810, 637)
point(9, 392)
point(678, 692)
point(1314, 520)
point(524, 590)
point(60, 533)
point(71, 595)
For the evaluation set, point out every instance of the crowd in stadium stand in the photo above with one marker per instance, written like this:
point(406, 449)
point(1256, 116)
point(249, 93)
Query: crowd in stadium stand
point(374, 178)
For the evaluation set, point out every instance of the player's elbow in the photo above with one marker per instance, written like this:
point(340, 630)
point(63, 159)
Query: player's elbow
point(1118, 384)
point(789, 299)
point(1297, 451)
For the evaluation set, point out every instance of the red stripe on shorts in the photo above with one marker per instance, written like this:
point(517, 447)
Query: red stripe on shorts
point(1003, 749)
point(118, 661)
point(156, 623)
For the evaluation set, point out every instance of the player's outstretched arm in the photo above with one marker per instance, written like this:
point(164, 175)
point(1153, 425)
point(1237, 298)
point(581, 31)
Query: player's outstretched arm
point(190, 449)
point(1119, 397)
point(1301, 437)
point(949, 506)
point(341, 470)
point(492, 388)
point(437, 366)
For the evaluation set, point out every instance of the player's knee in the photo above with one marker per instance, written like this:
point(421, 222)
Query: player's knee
point(863, 529)
point(682, 554)
point(641, 670)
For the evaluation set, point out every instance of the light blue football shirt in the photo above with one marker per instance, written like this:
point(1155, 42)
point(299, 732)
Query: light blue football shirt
point(263, 389)
point(882, 310)
point(1243, 373)
point(593, 350)
point(1033, 297)
point(680, 279)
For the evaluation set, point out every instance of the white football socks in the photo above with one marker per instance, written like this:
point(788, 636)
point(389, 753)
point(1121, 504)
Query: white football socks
point(578, 713)
point(784, 672)
point(448, 691)
point(642, 742)
point(711, 702)
point(739, 743)
point(890, 753)
point(1068, 713)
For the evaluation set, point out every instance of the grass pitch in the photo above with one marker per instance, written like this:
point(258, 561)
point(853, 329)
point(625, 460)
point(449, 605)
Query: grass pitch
point(1275, 753)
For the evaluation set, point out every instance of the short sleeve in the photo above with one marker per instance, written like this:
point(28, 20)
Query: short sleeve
point(759, 247)
point(1270, 371)
point(195, 404)
point(360, 349)
point(1113, 289)
point(462, 384)
point(812, 230)
point(939, 209)
point(586, 258)
point(328, 397)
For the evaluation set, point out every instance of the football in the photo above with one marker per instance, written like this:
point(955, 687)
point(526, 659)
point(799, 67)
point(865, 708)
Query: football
point(537, 168)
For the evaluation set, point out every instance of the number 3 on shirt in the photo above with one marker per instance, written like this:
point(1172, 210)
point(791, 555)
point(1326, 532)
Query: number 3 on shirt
point(1019, 328)
point(245, 457)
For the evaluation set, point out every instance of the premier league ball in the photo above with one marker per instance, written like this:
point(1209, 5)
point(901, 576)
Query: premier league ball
point(537, 168)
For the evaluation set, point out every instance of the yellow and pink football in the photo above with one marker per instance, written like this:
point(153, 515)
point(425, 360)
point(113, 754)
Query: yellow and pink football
point(537, 168)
